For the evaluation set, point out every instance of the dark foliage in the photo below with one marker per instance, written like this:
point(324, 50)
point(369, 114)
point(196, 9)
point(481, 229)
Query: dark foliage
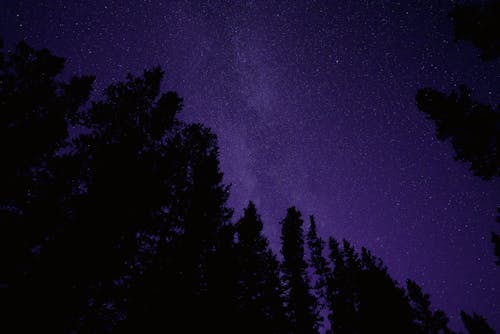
point(36, 187)
point(473, 128)
point(362, 297)
point(301, 306)
point(495, 238)
point(425, 319)
point(479, 24)
point(259, 292)
point(317, 261)
point(124, 227)
point(476, 324)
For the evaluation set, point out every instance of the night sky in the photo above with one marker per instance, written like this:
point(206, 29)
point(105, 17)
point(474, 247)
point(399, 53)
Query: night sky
point(313, 103)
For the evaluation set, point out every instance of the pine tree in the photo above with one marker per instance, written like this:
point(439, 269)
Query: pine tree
point(205, 220)
point(258, 288)
point(300, 303)
point(318, 262)
point(476, 324)
point(35, 190)
point(342, 298)
point(362, 297)
point(127, 176)
point(125, 228)
point(478, 23)
point(426, 320)
point(137, 198)
point(154, 186)
point(472, 127)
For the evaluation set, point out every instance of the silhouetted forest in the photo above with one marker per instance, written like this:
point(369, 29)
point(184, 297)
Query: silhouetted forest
point(472, 127)
point(123, 226)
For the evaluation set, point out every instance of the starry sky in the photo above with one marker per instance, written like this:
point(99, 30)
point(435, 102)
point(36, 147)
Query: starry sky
point(313, 103)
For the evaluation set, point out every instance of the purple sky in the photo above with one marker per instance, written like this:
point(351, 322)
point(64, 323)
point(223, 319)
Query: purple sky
point(314, 106)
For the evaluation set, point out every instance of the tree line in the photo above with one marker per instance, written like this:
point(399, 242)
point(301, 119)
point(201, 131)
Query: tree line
point(123, 226)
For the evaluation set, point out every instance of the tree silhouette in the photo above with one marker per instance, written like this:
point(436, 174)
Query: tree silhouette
point(137, 191)
point(259, 291)
point(479, 24)
point(300, 303)
point(123, 168)
point(472, 127)
point(426, 320)
point(376, 286)
point(319, 263)
point(363, 298)
point(476, 324)
point(341, 286)
point(35, 109)
point(158, 180)
point(124, 227)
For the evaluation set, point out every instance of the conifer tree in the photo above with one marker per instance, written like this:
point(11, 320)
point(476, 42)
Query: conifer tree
point(472, 127)
point(36, 185)
point(300, 303)
point(426, 320)
point(259, 292)
point(478, 23)
point(342, 298)
point(125, 229)
point(128, 180)
point(476, 324)
point(319, 263)
point(362, 297)
point(154, 183)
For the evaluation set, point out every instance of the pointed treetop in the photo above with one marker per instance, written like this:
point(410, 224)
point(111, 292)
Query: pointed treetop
point(250, 225)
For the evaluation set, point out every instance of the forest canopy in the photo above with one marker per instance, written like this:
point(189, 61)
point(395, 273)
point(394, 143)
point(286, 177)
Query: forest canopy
point(125, 228)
